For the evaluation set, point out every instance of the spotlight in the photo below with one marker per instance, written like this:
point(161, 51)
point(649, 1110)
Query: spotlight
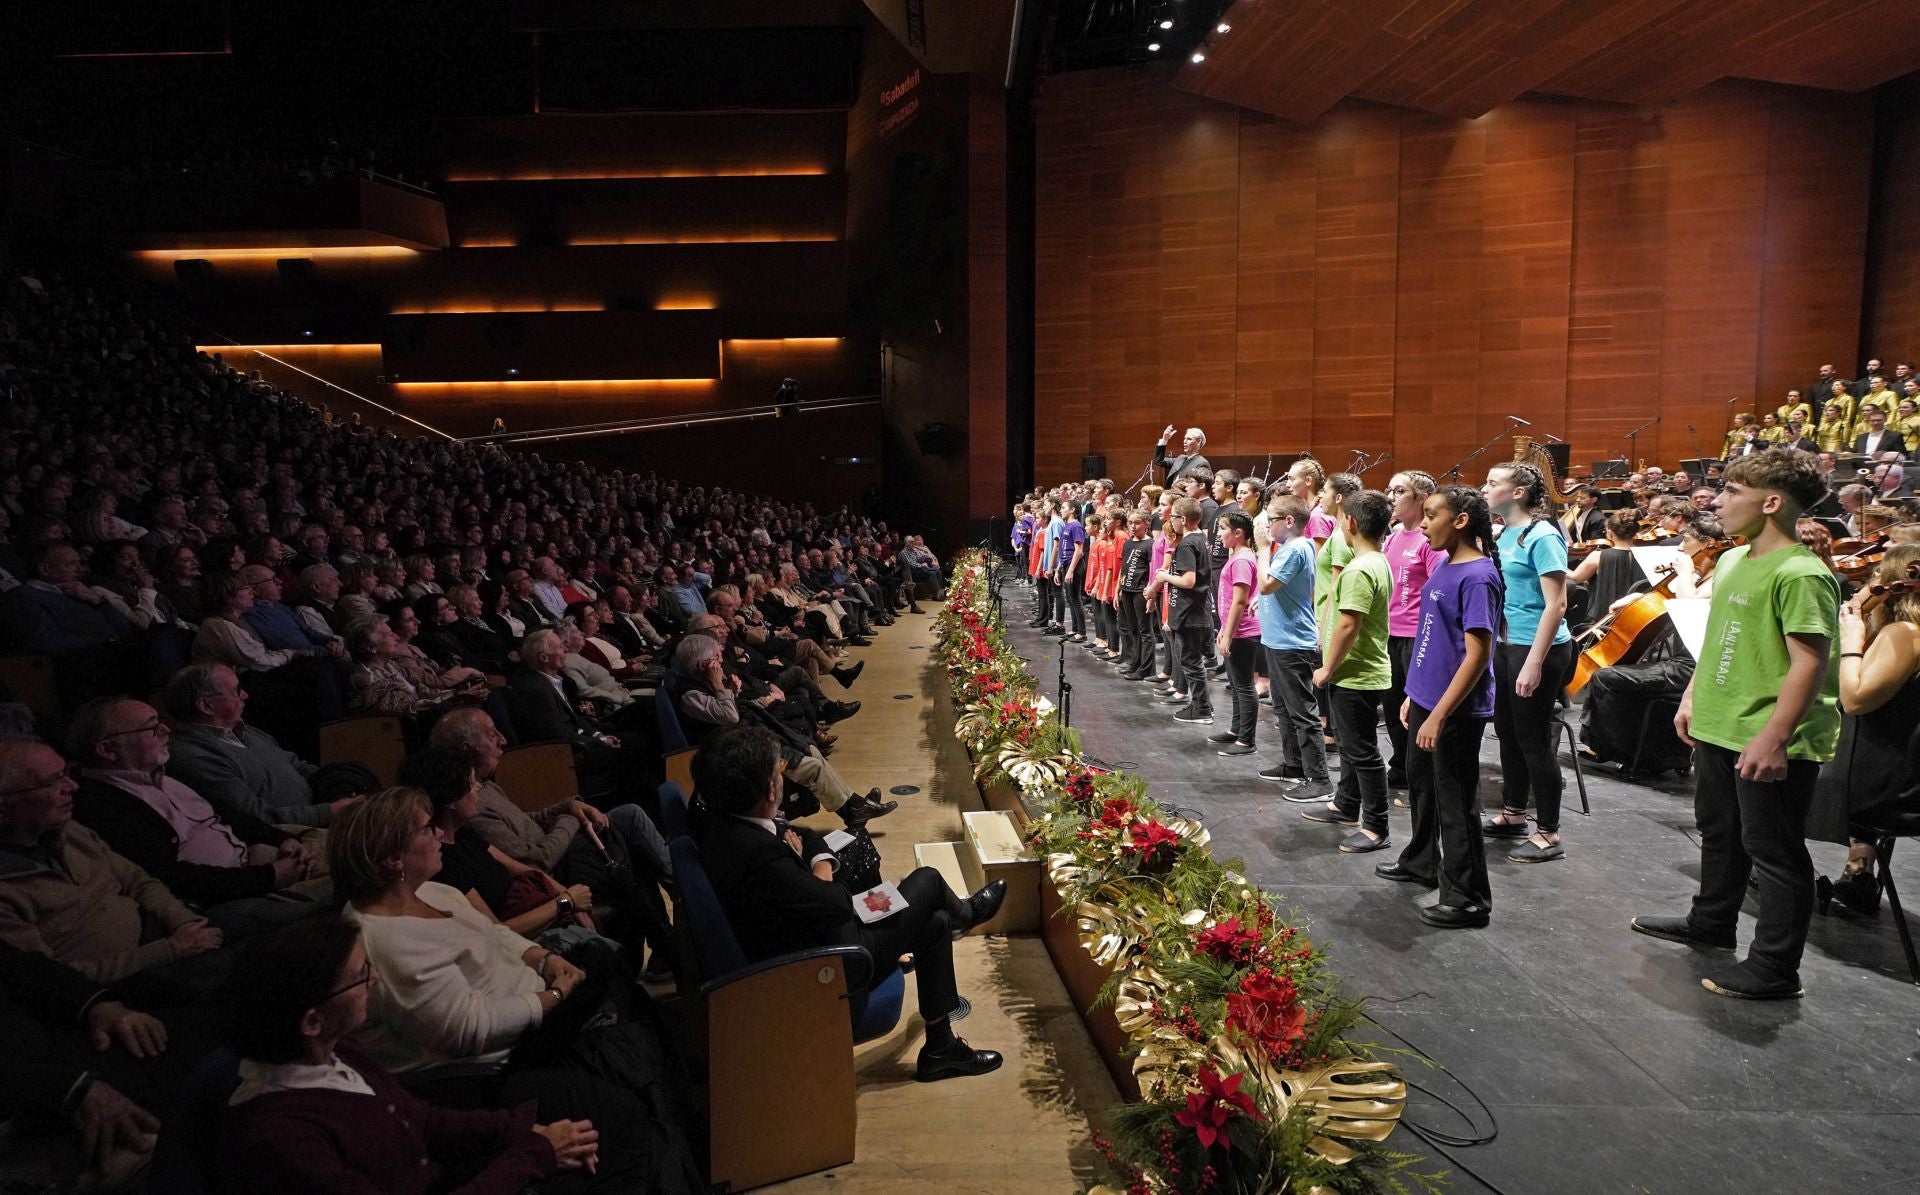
point(1166, 24)
point(1199, 57)
point(513, 373)
point(1223, 27)
point(1153, 47)
point(308, 333)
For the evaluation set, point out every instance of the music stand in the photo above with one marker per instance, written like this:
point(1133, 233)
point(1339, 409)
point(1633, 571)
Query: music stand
point(1614, 499)
point(1697, 468)
point(1613, 470)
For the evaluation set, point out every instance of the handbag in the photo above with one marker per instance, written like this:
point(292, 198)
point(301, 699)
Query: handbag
point(859, 867)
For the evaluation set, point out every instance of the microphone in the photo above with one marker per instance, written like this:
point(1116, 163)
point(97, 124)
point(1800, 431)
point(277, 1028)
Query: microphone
point(1554, 438)
point(1518, 420)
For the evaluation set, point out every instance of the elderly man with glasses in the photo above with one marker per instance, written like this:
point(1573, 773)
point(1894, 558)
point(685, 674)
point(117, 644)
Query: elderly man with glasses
point(229, 869)
point(65, 894)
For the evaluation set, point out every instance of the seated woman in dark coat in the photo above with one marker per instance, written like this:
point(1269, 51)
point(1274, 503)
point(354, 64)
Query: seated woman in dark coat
point(314, 1114)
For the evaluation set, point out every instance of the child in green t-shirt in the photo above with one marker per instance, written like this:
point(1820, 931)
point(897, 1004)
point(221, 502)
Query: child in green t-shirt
point(1357, 673)
point(1763, 714)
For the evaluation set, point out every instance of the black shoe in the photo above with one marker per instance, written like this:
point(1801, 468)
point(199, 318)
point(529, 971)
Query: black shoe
point(1858, 892)
point(1360, 842)
point(954, 1060)
point(1056, 632)
point(1744, 981)
point(846, 676)
point(859, 641)
point(1236, 748)
point(982, 905)
point(1532, 852)
point(1679, 929)
point(1077, 637)
point(1176, 699)
point(1331, 816)
point(1194, 717)
point(1131, 675)
point(1499, 829)
point(1282, 774)
point(1225, 736)
point(1393, 871)
point(839, 711)
point(858, 811)
point(1456, 916)
point(1308, 792)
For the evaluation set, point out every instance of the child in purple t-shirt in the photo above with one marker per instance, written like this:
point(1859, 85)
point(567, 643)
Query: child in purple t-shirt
point(1448, 704)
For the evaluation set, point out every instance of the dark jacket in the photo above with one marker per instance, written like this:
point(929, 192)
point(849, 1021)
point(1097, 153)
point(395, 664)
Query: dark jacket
point(541, 715)
point(137, 833)
point(773, 900)
point(480, 646)
point(56, 996)
point(1177, 466)
point(325, 1142)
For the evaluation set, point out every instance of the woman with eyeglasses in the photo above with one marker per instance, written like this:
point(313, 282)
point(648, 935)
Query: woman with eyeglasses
point(456, 986)
point(313, 1113)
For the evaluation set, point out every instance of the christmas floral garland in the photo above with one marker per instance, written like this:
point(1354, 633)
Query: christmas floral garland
point(1249, 1084)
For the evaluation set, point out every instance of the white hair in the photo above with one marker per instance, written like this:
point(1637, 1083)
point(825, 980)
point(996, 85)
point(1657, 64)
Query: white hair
point(1199, 437)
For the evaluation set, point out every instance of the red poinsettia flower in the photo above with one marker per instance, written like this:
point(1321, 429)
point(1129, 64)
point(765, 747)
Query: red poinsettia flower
point(1267, 1012)
point(1154, 842)
point(1209, 1109)
point(1080, 788)
point(1228, 941)
point(1115, 813)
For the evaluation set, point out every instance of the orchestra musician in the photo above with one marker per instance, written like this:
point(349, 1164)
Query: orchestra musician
point(1584, 521)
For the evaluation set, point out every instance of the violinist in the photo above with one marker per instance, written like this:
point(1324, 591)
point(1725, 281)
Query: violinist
point(1671, 515)
point(1701, 541)
point(1871, 787)
point(1702, 499)
point(1584, 521)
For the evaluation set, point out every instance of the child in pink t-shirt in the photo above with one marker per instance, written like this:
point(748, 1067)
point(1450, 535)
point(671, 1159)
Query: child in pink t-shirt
point(1412, 560)
point(1239, 641)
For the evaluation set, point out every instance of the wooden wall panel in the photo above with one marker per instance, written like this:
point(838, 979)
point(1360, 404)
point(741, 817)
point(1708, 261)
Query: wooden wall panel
point(1892, 317)
point(1389, 281)
point(1356, 256)
point(986, 301)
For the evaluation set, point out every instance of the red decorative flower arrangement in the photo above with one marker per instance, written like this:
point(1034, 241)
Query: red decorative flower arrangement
point(1209, 1109)
point(1155, 845)
point(1229, 942)
point(1266, 1013)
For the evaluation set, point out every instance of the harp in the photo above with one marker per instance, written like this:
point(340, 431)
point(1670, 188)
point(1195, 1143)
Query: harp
point(1527, 451)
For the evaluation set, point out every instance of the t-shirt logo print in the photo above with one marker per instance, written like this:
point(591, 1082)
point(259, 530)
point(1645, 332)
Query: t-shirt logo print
point(877, 901)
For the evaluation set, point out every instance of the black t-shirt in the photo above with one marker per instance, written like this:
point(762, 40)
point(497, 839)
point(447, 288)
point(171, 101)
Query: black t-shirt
point(1190, 605)
point(1212, 528)
point(466, 864)
point(1136, 557)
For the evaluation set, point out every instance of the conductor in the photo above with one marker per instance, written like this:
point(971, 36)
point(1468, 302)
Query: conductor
point(1189, 459)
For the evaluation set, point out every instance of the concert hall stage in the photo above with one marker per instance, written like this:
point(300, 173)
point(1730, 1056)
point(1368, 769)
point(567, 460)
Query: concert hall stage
point(1606, 1064)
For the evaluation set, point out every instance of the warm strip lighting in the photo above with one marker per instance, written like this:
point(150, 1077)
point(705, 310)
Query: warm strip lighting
point(689, 172)
point(500, 309)
point(583, 383)
point(296, 251)
point(488, 243)
point(786, 342)
point(685, 303)
point(698, 239)
point(284, 348)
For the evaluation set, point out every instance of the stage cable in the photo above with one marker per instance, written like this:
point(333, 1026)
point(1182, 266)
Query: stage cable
point(1440, 1141)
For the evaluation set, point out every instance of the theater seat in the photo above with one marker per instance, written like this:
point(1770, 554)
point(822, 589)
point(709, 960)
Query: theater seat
point(536, 775)
point(772, 1028)
point(377, 742)
point(673, 810)
point(679, 768)
point(29, 680)
point(673, 736)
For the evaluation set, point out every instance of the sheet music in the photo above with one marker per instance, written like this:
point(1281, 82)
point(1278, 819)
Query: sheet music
point(1689, 617)
point(1653, 558)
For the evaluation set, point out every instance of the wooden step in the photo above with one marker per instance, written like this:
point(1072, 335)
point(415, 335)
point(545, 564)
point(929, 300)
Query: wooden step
point(991, 849)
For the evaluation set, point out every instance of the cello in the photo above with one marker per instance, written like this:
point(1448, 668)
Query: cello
point(1627, 633)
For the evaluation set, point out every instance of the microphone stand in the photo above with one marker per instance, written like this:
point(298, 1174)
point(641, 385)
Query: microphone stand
point(1065, 690)
point(1633, 440)
point(1497, 437)
point(1694, 437)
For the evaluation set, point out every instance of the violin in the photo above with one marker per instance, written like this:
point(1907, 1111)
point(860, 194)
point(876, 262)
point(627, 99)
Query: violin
point(1705, 559)
point(1627, 633)
point(1860, 556)
point(1876, 594)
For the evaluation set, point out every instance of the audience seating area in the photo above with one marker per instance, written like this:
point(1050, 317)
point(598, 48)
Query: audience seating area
point(241, 628)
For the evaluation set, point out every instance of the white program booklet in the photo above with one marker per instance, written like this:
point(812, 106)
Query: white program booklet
point(878, 903)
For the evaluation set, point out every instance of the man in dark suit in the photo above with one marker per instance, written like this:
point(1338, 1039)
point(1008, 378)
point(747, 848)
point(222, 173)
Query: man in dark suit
point(1584, 521)
point(1878, 438)
point(520, 602)
point(548, 707)
point(1189, 460)
point(777, 884)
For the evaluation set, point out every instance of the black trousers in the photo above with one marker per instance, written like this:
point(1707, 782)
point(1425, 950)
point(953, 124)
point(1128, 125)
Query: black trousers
point(923, 929)
point(1363, 774)
point(1399, 651)
point(1752, 827)
point(1072, 602)
point(1043, 598)
point(1136, 636)
point(1525, 727)
point(1242, 654)
point(1193, 642)
point(1290, 685)
point(1444, 790)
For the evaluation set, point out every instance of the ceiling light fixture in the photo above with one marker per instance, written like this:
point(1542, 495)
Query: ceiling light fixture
point(1223, 27)
point(1166, 24)
point(1199, 57)
point(1153, 47)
